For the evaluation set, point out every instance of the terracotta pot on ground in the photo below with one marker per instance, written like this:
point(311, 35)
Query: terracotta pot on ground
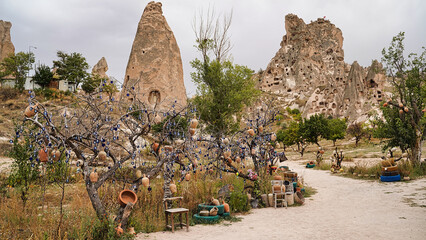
point(204, 213)
point(119, 230)
point(225, 207)
point(131, 230)
point(213, 211)
point(127, 196)
point(298, 197)
point(145, 181)
point(215, 202)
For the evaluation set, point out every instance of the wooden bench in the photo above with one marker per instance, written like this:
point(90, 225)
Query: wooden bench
point(172, 211)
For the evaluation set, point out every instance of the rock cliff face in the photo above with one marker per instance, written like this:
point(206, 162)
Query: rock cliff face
point(155, 69)
point(309, 73)
point(100, 68)
point(6, 45)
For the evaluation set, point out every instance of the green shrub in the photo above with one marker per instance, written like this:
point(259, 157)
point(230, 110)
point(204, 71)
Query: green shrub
point(238, 202)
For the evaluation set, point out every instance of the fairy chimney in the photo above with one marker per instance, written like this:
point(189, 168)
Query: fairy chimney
point(100, 68)
point(309, 73)
point(6, 45)
point(154, 71)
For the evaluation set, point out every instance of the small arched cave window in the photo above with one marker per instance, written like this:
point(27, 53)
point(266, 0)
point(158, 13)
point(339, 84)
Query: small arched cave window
point(154, 97)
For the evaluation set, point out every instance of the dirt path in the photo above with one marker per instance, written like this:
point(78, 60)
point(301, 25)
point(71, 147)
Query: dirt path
point(343, 208)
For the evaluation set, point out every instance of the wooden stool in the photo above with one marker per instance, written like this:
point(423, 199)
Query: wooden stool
point(170, 212)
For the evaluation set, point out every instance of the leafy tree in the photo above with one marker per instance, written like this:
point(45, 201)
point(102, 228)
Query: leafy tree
point(336, 129)
point(313, 128)
point(91, 83)
point(43, 76)
point(25, 167)
point(357, 131)
point(18, 66)
point(292, 135)
point(71, 67)
point(223, 90)
point(405, 119)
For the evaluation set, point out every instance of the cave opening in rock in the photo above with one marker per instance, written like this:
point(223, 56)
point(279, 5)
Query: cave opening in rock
point(154, 97)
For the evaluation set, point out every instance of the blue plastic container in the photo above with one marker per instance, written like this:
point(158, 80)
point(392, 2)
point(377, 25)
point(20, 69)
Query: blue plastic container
point(390, 178)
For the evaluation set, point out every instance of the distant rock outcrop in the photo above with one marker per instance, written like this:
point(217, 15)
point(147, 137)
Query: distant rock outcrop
point(6, 45)
point(100, 68)
point(309, 73)
point(154, 69)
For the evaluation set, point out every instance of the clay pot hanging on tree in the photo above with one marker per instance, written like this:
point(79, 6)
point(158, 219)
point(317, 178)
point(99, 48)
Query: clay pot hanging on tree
point(273, 137)
point(155, 146)
point(192, 131)
point(194, 123)
point(102, 156)
point(94, 176)
point(173, 188)
point(145, 181)
point(56, 154)
point(238, 160)
point(138, 174)
point(43, 155)
point(30, 111)
point(188, 177)
point(250, 132)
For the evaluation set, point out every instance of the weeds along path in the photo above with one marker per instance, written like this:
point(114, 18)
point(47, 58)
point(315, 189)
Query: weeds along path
point(343, 208)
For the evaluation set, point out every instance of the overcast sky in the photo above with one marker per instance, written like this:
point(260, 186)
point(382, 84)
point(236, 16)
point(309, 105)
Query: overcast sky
point(106, 28)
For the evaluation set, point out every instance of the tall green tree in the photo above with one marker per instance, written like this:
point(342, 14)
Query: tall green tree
point(336, 129)
point(71, 67)
point(313, 128)
point(91, 83)
point(43, 76)
point(406, 113)
point(223, 88)
point(18, 66)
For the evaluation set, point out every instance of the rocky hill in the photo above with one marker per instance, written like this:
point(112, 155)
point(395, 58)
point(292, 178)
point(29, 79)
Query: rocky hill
point(309, 73)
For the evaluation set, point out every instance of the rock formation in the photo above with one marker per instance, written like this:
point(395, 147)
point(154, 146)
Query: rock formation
point(309, 73)
point(100, 68)
point(154, 70)
point(6, 45)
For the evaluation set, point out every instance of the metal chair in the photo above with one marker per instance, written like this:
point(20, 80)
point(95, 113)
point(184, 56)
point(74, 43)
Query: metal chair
point(278, 193)
point(170, 212)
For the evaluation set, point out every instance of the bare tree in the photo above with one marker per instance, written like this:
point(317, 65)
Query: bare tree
point(212, 33)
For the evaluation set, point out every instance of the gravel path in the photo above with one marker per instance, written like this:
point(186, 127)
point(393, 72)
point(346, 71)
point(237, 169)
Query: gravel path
point(343, 208)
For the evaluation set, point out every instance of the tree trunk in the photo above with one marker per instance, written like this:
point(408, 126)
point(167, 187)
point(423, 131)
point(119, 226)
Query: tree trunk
point(96, 201)
point(416, 151)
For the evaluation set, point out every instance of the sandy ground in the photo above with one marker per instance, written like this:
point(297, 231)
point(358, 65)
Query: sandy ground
point(343, 208)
